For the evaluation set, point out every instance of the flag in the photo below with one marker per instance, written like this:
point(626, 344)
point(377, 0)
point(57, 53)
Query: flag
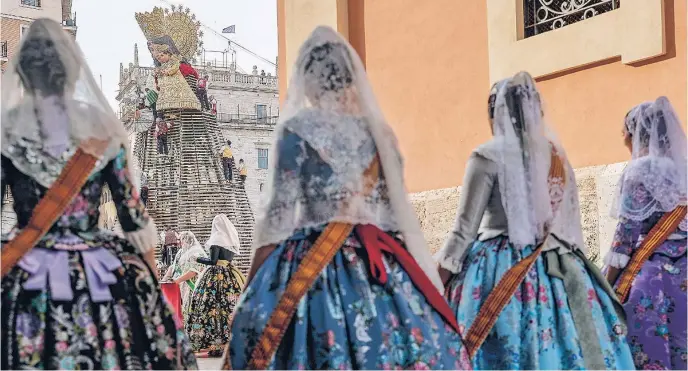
point(229, 29)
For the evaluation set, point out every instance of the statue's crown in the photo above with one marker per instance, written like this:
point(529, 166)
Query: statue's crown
point(177, 23)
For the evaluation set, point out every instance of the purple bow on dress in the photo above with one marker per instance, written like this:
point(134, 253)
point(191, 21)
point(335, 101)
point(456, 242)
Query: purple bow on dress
point(52, 266)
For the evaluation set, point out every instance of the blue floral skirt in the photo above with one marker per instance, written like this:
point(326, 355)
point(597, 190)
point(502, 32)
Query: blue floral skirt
point(347, 320)
point(536, 329)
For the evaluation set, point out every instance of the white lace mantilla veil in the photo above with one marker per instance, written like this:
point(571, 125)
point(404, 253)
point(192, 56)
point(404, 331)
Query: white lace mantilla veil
point(51, 103)
point(658, 163)
point(329, 71)
point(190, 249)
point(224, 234)
point(523, 161)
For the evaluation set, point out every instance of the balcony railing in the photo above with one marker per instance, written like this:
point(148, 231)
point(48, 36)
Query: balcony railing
point(3, 49)
point(234, 78)
point(219, 77)
point(234, 118)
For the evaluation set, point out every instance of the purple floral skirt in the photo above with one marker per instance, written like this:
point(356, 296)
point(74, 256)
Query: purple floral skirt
point(656, 314)
point(98, 306)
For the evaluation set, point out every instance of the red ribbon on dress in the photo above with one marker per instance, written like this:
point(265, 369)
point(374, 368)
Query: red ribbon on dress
point(375, 242)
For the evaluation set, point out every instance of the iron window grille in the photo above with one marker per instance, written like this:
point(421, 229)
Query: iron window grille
point(540, 16)
point(33, 3)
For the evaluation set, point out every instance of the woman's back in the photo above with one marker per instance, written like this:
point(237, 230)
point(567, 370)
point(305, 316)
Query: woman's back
point(81, 216)
point(321, 161)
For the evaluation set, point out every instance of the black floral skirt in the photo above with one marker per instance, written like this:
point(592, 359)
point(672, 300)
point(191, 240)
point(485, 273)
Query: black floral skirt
point(98, 308)
point(211, 307)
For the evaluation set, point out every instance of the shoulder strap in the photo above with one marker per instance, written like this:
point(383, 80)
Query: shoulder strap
point(49, 208)
point(318, 257)
point(505, 289)
point(657, 235)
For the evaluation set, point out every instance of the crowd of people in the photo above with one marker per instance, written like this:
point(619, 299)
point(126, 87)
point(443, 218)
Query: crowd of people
point(341, 276)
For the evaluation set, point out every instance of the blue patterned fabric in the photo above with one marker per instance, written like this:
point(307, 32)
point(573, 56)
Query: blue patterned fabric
point(536, 329)
point(346, 320)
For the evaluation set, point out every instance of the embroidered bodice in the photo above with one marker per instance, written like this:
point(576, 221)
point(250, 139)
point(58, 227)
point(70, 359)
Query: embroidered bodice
point(319, 179)
point(630, 233)
point(79, 222)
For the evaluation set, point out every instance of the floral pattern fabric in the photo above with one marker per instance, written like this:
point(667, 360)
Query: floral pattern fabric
point(657, 303)
point(184, 262)
point(536, 329)
point(211, 307)
point(132, 329)
point(346, 320)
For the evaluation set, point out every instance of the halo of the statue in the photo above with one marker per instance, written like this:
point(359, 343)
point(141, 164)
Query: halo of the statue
point(177, 23)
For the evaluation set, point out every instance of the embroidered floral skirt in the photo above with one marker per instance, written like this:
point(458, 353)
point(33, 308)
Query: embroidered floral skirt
point(536, 329)
point(211, 306)
point(656, 313)
point(98, 308)
point(346, 320)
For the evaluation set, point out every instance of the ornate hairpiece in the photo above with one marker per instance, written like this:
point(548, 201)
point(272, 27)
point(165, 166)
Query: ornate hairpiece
point(160, 47)
point(177, 23)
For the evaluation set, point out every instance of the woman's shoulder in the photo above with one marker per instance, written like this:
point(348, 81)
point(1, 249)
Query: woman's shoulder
point(310, 119)
point(481, 160)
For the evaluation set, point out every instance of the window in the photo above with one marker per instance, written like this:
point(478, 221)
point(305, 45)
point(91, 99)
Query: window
point(262, 158)
point(34, 3)
point(261, 113)
point(22, 30)
point(545, 15)
point(261, 186)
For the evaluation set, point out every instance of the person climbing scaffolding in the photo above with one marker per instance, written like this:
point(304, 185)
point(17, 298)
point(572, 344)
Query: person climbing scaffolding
point(161, 130)
point(202, 92)
point(152, 98)
point(227, 160)
point(243, 173)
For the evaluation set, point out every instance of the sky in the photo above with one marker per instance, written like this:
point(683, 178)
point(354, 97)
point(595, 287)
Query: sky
point(108, 30)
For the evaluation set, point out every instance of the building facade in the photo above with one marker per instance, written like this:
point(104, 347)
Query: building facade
point(431, 65)
point(17, 15)
point(247, 111)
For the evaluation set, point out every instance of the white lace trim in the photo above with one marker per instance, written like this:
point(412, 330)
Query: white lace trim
point(329, 75)
point(145, 238)
point(449, 262)
point(524, 192)
point(616, 260)
point(655, 178)
point(310, 197)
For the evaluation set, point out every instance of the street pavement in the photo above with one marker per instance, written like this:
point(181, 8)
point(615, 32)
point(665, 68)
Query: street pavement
point(209, 363)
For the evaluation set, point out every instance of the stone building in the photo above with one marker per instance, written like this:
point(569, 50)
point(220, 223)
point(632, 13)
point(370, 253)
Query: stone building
point(593, 60)
point(247, 111)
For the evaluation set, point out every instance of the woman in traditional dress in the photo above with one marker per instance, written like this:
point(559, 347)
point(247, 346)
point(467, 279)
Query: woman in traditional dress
point(519, 198)
point(652, 185)
point(372, 299)
point(217, 290)
point(185, 269)
point(81, 298)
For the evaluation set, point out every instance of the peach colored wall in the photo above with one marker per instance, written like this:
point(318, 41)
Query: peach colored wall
point(587, 107)
point(428, 63)
point(429, 68)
